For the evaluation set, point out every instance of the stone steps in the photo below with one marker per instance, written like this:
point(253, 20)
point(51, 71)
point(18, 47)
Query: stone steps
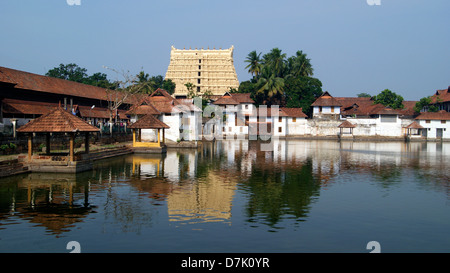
point(12, 167)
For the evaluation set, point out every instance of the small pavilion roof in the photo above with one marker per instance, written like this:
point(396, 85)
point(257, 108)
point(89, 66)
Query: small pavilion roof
point(346, 124)
point(57, 121)
point(414, 125)
point(149, 122)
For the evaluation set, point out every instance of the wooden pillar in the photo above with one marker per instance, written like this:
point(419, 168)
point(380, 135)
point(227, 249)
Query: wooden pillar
point(140, 135)
point(30, 145)
point(134, 137)
point(86, 142)
point(47, 143)
point(164, 135)
point(159, 139)
point(71, 146)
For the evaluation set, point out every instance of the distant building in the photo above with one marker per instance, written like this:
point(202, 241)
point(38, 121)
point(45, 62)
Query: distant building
point(207, 69)
point(442, 99)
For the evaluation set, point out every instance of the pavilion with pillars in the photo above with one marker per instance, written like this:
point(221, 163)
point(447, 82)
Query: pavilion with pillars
point(149, 122)
point(58, 121)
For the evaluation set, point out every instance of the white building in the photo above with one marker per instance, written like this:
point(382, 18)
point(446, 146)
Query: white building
point(182, 116)
point(435, 125)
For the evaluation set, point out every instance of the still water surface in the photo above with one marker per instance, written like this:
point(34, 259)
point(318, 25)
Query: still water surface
point(229, 196)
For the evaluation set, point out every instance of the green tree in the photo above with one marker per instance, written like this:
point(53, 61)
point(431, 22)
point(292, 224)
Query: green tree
point(299, 65)
point(190, 87)
point(275, 62)
point(254, 63)
point(271, 86)
point(70, 72)
point(425, 103)
point(301, 92)
point(390, 99)
point(150, 84)
point(364, 95)
point(169, 86)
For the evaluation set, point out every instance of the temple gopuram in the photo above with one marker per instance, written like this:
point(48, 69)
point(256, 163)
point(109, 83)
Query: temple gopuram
point(207, 69)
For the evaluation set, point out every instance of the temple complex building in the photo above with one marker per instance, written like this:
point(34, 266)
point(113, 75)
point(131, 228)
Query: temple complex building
point(207, 69)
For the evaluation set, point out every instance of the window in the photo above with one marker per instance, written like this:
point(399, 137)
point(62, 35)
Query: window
point(199, 67)
point(199, 74)
point(428, 121)
point(294, 119)
point(280, 119)
point(200, 61)
point(280, 129)
point(198, 89)
point(198, 81)
point(320, 109)
point(443, 121)
point(388, 118)
point(246, 106)
point(332, 109)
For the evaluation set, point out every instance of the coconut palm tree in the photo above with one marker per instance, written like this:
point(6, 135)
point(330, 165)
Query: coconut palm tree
point(270, 86)
point(276, 61)
point(299, 65)
point(254, 63)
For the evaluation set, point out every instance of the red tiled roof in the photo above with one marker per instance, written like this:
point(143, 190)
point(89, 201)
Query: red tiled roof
point(226, 100)
point(234, 99)
point(20, 107)
point(242, 97)
point(35, 82)
point(57, 121)
point(441, 96)
point(326, 100)
point(366, 107)
point(149, 122)
point(294, 112)
point(346, 124)
point(414, 125)
point(441, 115)
point(97, 112)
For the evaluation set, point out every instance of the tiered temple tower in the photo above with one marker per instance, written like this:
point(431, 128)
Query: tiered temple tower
point(206, 69)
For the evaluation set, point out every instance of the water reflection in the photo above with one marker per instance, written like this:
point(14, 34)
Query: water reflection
point(200, 186)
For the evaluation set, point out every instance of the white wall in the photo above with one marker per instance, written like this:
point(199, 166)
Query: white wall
point(433, 126)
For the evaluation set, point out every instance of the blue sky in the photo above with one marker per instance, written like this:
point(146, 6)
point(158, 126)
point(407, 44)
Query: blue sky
point(401, 45)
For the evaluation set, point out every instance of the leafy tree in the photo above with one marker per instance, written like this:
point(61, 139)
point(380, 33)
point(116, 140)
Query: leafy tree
point(70, 72)
point(254, 63)
point(271, 86)
point(425, 103)
point(190, 87)
point(169, 86)
point(299, 65)
point(302, 91)
point(150, 84)
point(275, 61)
point(364, 95)
point(390, 99)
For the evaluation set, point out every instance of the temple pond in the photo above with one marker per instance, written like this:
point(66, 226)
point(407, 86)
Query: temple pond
point(238, 196)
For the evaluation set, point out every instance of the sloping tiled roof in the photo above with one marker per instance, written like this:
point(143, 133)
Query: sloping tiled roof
point(20, 107)
point(242, 97)
point(57, 121)
point(144, 109)
point(346, 124)
point(226, 100)
point(366, 107)
point(326, 100)
point(441, 96)
point(234, 99)
point(294, 112)
point(149, 122)
point(35, 82)
point(414, 125)
point(441, 115)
